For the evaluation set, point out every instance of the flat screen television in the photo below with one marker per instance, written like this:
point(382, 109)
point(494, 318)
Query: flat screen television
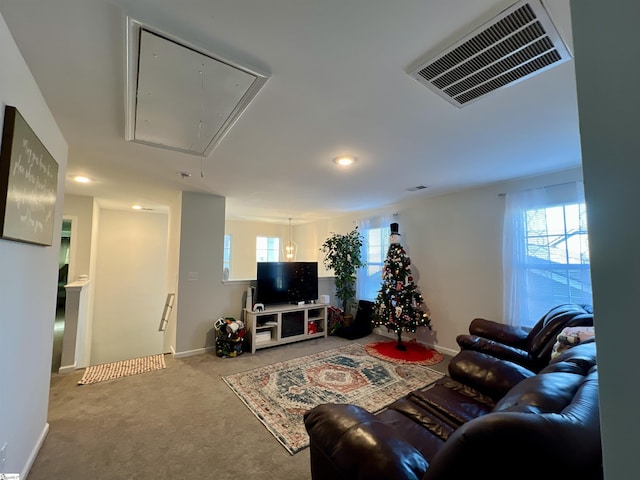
point(286, 282)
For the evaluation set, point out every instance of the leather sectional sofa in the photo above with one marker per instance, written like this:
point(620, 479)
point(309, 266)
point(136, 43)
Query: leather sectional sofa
point(530, 348)
point(489, 418)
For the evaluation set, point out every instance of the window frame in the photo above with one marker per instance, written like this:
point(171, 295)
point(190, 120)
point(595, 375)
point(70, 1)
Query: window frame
point(367, 283)
point(274, 250)
point(543, 263)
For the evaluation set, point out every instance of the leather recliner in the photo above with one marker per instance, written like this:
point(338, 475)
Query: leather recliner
point(489, 418)
point(531, 349)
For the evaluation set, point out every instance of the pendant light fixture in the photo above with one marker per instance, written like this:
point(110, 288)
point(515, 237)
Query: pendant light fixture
point(290, 248)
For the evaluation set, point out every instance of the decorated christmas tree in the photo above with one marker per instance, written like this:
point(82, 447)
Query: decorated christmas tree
point(399, 305)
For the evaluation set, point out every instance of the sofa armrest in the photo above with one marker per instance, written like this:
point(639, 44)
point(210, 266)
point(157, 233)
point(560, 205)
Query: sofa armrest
point(499, 332)
point(496, 349)
point(349, 442)
point(486, 373)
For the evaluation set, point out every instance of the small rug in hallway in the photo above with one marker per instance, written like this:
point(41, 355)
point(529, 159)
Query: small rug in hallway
point(415, 353)
point(281, 393)
point(110, 371)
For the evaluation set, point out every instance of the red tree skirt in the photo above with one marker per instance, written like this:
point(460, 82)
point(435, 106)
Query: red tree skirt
point(415, 352)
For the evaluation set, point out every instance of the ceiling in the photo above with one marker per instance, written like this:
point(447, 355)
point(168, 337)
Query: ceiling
point(338, 84)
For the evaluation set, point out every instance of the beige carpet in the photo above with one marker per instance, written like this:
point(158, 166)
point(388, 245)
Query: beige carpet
point(125, 368)
point(182, 422)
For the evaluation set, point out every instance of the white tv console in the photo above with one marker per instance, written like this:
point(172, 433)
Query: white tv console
point(280, 324)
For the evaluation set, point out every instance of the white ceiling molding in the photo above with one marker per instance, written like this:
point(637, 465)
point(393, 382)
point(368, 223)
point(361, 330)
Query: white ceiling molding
point(517, 44)
point(179, 96)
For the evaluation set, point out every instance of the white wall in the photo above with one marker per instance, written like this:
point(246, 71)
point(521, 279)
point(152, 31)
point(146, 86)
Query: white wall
point(454, 242)
point(243, 244)
point(608, 74)
point(308, 236)
point(130, 285)
point(28, 283)
point(455, 245)
point(81, 208)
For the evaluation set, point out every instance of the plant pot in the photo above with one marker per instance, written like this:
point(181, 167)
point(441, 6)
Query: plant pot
point(347, 319)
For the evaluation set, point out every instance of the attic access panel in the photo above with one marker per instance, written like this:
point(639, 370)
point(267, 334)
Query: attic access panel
point(180, 97)
point(518, 43)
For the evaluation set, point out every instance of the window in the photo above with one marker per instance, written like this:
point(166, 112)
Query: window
point(374, 251)
point(546, 257)
point(267, 249)
point(226, 259)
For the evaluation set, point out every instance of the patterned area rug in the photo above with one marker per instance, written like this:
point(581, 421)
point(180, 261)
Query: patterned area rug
point(110, 371)
point(415, 352)
point(280, 394)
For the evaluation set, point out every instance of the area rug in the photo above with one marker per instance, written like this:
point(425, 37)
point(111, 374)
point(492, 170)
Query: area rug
point(281, 393)
point(110, 371)
point(415, 353)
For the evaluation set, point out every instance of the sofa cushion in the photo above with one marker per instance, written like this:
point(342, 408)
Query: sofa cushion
point(342, 436)
point(556, 384)
point(452, 401)
point(485, 373)
point(417, 426)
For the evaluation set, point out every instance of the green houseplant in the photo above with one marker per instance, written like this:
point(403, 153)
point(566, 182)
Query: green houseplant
point(342, 254)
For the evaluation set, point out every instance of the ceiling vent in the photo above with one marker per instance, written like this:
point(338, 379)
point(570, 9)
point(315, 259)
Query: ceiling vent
point(179, 96)
point(519, 43)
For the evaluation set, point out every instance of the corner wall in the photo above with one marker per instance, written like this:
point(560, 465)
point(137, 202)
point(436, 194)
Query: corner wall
point(173, 270)
point(28, 282)
point(201, 293)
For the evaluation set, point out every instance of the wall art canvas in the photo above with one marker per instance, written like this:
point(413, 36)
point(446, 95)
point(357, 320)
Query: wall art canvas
point(28, 183)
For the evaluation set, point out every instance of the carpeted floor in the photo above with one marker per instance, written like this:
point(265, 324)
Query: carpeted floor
point(182, 422)
point(280, 394)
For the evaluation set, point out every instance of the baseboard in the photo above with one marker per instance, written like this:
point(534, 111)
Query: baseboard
point(68, 369)
point(444, 350)
point(191, 353)
point(34, 452)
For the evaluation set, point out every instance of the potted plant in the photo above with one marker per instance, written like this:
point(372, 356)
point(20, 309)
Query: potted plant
point(342, 254)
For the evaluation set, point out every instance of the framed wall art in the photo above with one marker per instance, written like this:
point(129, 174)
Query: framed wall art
point(28, 183)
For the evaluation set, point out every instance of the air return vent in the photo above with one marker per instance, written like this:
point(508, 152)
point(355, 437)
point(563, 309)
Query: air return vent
point(518, 43)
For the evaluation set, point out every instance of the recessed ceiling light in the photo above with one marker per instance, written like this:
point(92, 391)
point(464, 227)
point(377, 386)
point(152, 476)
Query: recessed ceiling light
point(81, 179)
point(345, 160)
point(137, 207)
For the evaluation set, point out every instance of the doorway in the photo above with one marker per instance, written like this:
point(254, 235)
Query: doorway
point(63, 278)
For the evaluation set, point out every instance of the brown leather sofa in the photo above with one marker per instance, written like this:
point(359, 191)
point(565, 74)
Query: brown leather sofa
point(530, 348)
point(489, 418)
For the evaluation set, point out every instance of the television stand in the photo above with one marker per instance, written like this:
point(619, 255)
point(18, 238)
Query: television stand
point(281, 324)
